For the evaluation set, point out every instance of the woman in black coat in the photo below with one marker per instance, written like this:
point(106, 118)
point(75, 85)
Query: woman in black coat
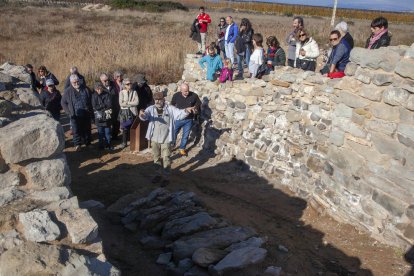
point(50, 99)
point(102, 107)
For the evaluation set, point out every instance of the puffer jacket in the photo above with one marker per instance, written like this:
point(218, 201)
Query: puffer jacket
point(311, 48)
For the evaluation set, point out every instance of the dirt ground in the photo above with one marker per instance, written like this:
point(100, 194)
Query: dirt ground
point(317, 245)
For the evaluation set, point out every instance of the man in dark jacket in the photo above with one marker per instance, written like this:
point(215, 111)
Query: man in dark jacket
point(76, 102)
point(50, 99)
point(74, 71)
point(109, 87)
point(185, 99)
point(380, 36)
point(102, 107)
point(144, 92)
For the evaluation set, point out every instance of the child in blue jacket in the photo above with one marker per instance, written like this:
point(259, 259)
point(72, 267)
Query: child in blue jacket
point(214, 63)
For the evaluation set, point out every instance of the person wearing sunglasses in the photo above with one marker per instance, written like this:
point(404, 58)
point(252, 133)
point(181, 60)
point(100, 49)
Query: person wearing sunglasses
point(44, 75)
point(339, 57)
point(128, 101)
point(307, 50)
point(221, 32)
point(380, 37)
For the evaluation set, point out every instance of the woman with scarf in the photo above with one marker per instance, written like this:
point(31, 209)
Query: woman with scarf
point(380, 36)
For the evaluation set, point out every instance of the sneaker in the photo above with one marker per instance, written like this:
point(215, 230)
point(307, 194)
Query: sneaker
point(182, 152)
point(156, 179)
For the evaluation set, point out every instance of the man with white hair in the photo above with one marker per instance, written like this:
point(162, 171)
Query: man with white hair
point(342, 27)
point(74, 71)
point(77, 104)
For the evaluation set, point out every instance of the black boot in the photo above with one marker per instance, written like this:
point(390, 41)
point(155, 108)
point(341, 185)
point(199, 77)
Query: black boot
point(124, 139)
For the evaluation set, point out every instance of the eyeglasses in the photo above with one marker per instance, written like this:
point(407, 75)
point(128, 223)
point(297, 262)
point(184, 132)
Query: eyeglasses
point(300, 35)
point(105, 80)
point(127, 83)
point(50, 86)
point(333, 39)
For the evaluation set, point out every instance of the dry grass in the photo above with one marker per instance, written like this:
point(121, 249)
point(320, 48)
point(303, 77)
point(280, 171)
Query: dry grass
point(136, 42)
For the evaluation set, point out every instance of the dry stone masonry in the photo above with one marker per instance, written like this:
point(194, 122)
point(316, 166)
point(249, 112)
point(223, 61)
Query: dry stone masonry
point(346, 145)
point(41, 223)
point(195, 242)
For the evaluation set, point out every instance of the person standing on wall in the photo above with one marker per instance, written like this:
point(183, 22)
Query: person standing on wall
point(221, 31)
point(203, 21)
point(291, 40)
point(182, 100)
point(230, 36)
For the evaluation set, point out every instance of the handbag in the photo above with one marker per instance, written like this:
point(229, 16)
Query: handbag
point(306, 65)
point(126, 117)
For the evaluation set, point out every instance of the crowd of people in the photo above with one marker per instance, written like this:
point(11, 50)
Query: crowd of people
point(115, 104)
point(239, 46)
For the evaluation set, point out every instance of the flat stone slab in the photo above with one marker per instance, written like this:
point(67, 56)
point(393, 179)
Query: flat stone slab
point(81, 227)
point(240, 258)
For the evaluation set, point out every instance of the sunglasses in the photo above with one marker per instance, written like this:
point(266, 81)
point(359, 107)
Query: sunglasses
point(50, 86)
point(105, 80)
point(333, 39)
point(300, 35)
point(127, 83)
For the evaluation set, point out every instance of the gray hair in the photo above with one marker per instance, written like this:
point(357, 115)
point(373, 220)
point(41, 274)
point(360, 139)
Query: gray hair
point(103, 76)
point(126, 80)
point(73, 78)
point(117, 74)
point(342, 27)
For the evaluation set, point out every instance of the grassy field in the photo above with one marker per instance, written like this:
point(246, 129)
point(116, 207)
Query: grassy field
point(136, 42)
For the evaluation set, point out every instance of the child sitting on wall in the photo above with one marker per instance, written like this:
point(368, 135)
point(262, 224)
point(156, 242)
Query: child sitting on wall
point(227, 71)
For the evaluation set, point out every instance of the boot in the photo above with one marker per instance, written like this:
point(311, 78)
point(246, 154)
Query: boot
point(124, 139)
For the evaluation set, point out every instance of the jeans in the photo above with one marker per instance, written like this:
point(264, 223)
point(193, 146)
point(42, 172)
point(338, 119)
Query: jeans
point(247, 55)
point(222, 48)
point(104, 135)
point(186, 126)
point(81, 130)
point(202, 45)
point(240, 64)
point(230, 51)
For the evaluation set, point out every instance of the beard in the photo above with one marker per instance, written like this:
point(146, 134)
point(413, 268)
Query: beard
point(76, 85)
point(159, 105)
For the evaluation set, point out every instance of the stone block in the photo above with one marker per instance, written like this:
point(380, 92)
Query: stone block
point(393, 205)
point(80, 225)
point(254, 162)
point(363, 75)
point(385, 112)
point(207, 256)
point(405, 68)
point(53, 194)
point(9, 179)
point(336, 137)
point(240, 258)
point(293, 116)
point(406, 134)
point(6, 108)
point(351, 100)
point(381, 79)
point(28, 96)
point(351, 68)
point(409, 104)
point(395, 96)
point(341, 110)
point(347, 83)
point(10, 194)
point(251, 100)
point(28, 139)
point(371, 92)
point(345, 160)
point(280, 83)
point(288, 77)
point(38, 226)
point(381, 126)
point(373, 209)
point(387, 145)
point(383, 58)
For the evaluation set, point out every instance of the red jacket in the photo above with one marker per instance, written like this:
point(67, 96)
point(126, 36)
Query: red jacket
point(203, 25)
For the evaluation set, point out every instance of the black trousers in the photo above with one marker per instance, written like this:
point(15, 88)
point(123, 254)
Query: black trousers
point(81, 130)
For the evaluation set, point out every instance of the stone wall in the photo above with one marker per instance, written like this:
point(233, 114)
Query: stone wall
point(346, 145)
point(41, 223)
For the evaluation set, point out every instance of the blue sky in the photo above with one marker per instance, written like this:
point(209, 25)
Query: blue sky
point(384, 5)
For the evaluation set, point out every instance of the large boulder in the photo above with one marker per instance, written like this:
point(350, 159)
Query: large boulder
point(9, 239)
point(383, 58)
point(42, 259)
point(10, 194)
point(48, 173)
point(9, 179)
point(38, 226)
point(16, 71)
point(39, 136)
point(6, 82)
point(240, 258)
point(27, 96)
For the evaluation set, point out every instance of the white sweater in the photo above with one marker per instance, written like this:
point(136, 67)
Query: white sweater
point(311, 48)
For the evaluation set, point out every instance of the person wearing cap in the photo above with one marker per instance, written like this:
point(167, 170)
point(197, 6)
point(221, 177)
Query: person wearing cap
point(185, 99)
point(74, 71)
point(44, 75)
point(342, 27)
point(35, 84)
point(160, 132)
point(109, 87)
point(102, 107)
point(77, 104)
point(50, 99)
point(144, 92)
point(128, 101)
